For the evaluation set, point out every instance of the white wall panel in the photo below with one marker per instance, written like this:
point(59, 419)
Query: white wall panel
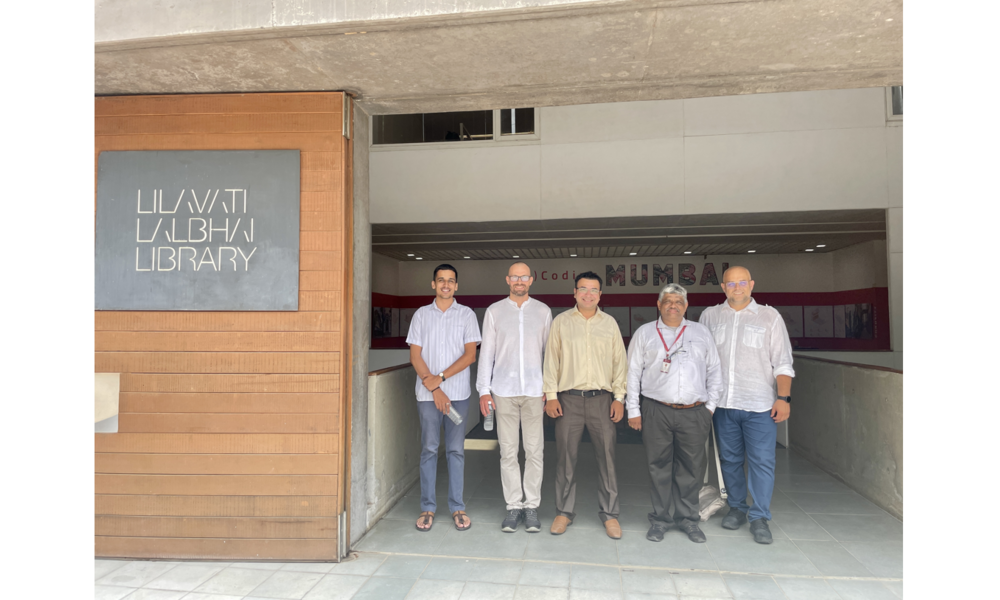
point(612, 122)
point(795, 111)
point(448, 185)
point(894, 164)
point(605, 179)
point(797, 170)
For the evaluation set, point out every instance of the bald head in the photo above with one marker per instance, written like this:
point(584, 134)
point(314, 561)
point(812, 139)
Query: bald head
point(518, 268)
point(737, 273)
point(737, 285)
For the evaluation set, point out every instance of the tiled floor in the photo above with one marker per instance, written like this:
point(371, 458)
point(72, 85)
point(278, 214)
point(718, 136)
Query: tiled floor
point(829, 543)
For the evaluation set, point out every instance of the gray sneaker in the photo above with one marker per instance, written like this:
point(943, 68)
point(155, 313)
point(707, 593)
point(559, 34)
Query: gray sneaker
point(531, 522)
point(509, 524)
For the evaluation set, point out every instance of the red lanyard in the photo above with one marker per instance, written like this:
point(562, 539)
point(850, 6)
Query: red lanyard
point(665, 346)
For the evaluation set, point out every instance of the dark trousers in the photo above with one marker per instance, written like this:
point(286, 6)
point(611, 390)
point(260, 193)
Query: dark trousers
point(751, 435)
point(675, 451)
point(594, 413)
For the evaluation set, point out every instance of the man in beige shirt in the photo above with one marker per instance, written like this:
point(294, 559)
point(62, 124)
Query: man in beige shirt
point(585, 364)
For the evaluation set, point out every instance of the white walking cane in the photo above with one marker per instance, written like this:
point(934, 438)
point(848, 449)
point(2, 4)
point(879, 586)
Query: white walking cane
point(718, 466)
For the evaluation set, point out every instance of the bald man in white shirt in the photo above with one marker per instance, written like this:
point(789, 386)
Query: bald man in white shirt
point(757, 373)
point(515, 330)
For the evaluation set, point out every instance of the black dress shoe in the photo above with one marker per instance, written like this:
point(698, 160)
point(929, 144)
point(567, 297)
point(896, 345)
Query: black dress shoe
point(656, 531)
point(761, 532)
point(694, 533)
point(735, 519)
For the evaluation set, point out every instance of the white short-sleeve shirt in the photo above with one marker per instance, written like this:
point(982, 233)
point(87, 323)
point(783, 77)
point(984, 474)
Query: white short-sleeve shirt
point(442, 336)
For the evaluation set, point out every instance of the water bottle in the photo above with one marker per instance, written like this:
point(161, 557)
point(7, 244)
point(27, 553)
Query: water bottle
point(454, 416)
point(488, 424)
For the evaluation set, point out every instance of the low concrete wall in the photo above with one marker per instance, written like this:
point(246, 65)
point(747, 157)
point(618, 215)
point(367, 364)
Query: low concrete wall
point(394, 438)
point(848, 420)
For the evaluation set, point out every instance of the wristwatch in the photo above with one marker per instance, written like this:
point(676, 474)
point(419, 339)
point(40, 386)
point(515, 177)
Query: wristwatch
point(787, 399)
point(441, 375)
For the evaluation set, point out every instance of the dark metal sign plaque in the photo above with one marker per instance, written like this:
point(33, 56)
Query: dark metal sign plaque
point(197, 230)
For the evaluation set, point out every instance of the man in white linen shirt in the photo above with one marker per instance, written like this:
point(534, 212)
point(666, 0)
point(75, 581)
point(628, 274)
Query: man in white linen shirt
point(515, 330)
point(443, 337)
point(673, 367)
point(757, 374)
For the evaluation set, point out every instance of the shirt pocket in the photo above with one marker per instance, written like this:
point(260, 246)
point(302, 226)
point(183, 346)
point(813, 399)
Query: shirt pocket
point(753, 336)
point(719, 333)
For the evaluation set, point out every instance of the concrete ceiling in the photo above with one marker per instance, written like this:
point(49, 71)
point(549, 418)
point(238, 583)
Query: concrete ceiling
point(582, 53)
point(765, 233)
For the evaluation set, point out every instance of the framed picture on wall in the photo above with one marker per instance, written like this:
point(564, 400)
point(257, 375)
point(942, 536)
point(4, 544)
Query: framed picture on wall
point(405, 316)
point(793, 320)
point(819, 321)
point(621, 315)
point(640, 316)
point(838, 321)
point(694, 313)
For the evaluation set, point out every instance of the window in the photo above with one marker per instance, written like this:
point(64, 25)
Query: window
point(517, 121)
point(462, 127)
point(894, 103)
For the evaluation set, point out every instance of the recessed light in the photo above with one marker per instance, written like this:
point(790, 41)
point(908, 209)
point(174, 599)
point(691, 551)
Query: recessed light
point(409, 255)
point(468, 257)
point(573, 255)
point(418, 258)
point(751, 251)
point(821, 245)
point(631, 253)
point(516, 256)
point(809, 249)
point(687, 252)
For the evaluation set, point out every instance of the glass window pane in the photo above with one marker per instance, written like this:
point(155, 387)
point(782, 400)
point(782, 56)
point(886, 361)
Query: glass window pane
point(517, 121)
point(432, 127)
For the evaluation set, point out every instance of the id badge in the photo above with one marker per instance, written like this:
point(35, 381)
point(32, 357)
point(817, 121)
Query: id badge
point(665, 366)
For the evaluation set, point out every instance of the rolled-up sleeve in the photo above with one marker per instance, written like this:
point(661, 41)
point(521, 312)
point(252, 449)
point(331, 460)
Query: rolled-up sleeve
point(634, 375)
point(781, 349)
point(487, 351)
point(414, 336)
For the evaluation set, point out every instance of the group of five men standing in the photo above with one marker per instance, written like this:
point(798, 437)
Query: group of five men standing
point(733, 368)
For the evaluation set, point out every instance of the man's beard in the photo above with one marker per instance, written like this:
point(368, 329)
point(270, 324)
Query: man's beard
point(517, 292)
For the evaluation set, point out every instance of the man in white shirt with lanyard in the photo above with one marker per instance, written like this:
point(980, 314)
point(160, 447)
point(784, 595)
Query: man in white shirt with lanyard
point(757, 374)
point(515, 330)
point(673, 367)
point(443, 337)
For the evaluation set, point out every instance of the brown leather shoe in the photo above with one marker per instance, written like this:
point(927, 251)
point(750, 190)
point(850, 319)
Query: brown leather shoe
point(559, 525)
point(613, 528)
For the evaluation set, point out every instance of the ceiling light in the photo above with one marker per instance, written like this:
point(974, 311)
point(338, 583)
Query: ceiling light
point(468, 257)
point(687, 252)
point(516, 256)
point(631, 253)
point(418, 258)
point(409, 255)
point(751, 251)
point(809, 249)
point(821, 245)
point(573, 255)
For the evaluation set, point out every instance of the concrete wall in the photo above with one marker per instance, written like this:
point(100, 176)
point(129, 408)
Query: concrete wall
point(817, 150)
point(131, 19)
point(849, 422)
point(361, 331)
point(393, 442)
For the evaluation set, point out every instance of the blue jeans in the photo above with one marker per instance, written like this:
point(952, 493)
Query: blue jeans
point(753, 435)
point(454, 445)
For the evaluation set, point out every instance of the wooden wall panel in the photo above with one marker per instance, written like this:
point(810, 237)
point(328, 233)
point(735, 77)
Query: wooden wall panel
point(231, 442)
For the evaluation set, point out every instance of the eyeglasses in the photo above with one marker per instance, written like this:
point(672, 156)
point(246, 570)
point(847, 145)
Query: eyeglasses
point(524, 278)
point(593, 291)
point(732, 284)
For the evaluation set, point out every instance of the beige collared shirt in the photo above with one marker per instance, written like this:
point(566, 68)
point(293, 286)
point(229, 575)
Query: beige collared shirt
point(584, 354)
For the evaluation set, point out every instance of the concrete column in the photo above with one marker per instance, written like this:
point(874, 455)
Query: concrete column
point(362, 328)
point(894, 234)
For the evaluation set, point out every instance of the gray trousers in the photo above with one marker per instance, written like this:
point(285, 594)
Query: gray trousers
point(675, 451)
point(594, 413)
